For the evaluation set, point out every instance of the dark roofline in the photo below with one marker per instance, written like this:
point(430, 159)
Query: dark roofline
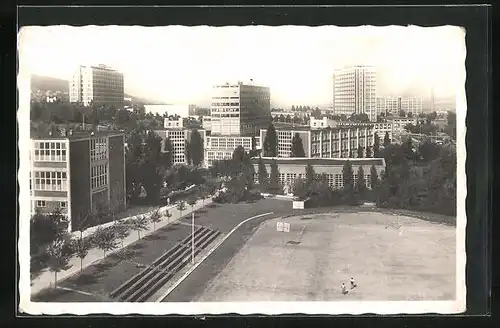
point(320, 160)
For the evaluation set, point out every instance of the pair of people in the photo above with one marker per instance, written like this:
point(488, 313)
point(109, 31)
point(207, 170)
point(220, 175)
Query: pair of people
point(344, 288)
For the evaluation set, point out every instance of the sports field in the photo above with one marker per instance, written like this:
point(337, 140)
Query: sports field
point(391, 258)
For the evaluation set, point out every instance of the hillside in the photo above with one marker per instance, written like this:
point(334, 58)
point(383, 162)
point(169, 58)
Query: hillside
point(45, 83)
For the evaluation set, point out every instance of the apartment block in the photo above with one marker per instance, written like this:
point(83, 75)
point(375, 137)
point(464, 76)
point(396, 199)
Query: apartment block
point(100, 85)
point(239, 109)
point(354, 91)
point(77, 173)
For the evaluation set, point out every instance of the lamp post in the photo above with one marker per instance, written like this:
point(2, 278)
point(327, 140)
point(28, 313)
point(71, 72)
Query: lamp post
point(192, 237)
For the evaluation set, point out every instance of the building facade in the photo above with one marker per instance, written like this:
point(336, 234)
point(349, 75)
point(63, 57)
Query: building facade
point(179, 139)
point(100, 85)
point(291, 169)
point(173, 123)
point(355, 91)
point(170, 109)
point(239, 109)
point(222, 147)
point(330, 142)
point(77, 174)
point(394, 105)
point(321, 123)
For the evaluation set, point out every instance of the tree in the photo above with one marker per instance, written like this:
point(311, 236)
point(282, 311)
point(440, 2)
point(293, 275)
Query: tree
point(408, 149)
point(191, 202)
point(274, 178)
point(402, 113)
point(310, 175)
point(262, 171)
point(155, 218)
point(196, 148)
point(348, 179)
point(374, 182)
point(248, 172)
point(81, 248)
point(376, 145)
point(387, 140)
point(300, 189)
point(297, 146)
point(46, 228)
point(368, 152)
point(270, 144)
point(122, 230)
point(140, 223)
point(105, 239)
point(360, 182)
point(59, 254)
point(360, 152)
point(181, 207)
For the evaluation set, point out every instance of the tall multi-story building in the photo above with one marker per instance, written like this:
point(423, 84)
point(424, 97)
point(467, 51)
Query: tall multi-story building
point(239, 109)
point(100, 85)
point(355, 91)
point(331, 142)
point(77, 173)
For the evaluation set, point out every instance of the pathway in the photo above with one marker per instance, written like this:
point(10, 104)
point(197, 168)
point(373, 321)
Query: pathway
point(46, 279)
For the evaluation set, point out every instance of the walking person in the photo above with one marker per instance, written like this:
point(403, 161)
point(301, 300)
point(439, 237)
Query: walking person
point(344, 289)
point(353, 284)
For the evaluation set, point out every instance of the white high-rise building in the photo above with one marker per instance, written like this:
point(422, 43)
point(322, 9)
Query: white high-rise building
point(98, 84)
point(355, 91)
point(239, 109)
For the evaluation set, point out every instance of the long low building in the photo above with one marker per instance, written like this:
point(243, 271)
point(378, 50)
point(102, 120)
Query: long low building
point(330, 142)
point(291, 169)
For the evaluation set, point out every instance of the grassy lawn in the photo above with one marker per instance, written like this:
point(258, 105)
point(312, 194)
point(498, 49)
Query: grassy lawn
point(392, 258)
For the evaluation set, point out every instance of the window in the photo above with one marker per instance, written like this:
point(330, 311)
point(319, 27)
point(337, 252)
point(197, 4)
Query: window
point(98, 149)
point(41, 203)
point(50, 151)
point(51, 180)
point(99, 176)
point(62, 204)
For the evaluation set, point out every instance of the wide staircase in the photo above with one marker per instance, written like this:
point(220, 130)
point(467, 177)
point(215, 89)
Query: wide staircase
point(143, 285)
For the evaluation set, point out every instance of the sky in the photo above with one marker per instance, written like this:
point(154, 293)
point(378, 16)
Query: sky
point(179, 65)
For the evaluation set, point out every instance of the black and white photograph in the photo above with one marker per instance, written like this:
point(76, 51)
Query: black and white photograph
point(242, 169)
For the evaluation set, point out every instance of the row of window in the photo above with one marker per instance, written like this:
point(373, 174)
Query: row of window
point(334, 180)
point(50, 181)
point(43, 203)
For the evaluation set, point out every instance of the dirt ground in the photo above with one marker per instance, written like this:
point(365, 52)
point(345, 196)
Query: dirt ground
point(391, 258)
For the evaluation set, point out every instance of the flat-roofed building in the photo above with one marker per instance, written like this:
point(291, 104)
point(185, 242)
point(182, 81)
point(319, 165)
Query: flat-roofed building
point(99, 84)
point(179, 138)
point(222, 147)
point(331, 142)
point(77, 173)
point(239, 109)
point(291, 169)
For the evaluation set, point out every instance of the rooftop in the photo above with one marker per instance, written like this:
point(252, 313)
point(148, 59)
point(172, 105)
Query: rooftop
point(36, 135)
point(320, 161)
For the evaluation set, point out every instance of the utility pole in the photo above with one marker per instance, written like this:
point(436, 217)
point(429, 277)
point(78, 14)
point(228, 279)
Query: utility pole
point(192, 237)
